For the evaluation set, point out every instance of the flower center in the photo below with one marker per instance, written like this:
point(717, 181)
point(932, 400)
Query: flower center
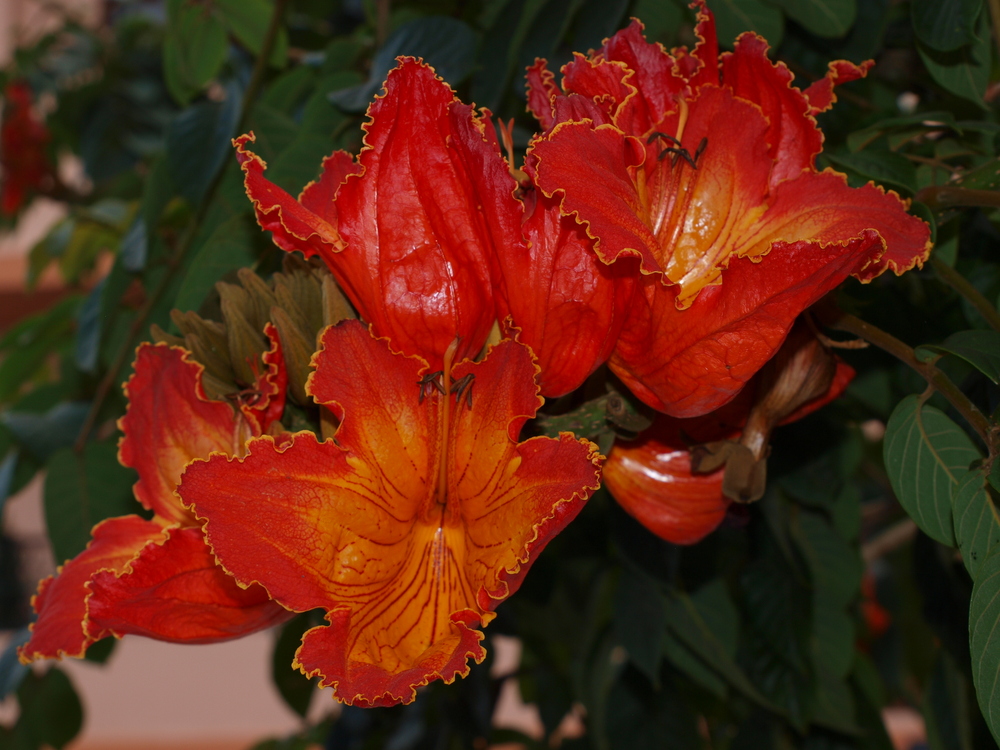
point(443, 385)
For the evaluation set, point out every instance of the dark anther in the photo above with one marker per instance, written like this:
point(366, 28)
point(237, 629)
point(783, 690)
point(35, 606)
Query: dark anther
point(463, 387)
point(677, 151)
point(700, 150)
point(429, 383)
point(664, 136)
point(247, 397)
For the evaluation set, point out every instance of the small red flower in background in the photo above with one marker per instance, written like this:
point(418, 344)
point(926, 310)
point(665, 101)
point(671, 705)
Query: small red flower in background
point(703, 169)
point(158, 578)
point(411, 525)
point(24, 163)
point(679, 477)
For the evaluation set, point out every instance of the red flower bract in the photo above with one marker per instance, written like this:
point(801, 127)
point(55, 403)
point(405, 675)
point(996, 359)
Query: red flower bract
point(410, 229)
point(409, 526)
point(158, 577)
point(657, 478)
point(704, 171)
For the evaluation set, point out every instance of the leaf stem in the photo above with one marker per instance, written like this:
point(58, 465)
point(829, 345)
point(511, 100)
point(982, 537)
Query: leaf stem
point(960, 284)
point(187, 241)
point(940, 382)
point(940, 197)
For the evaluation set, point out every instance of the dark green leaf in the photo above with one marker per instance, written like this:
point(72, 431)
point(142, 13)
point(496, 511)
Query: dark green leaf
point(707, 633)
point(984, 640)
point(832, 703)
point(640, 718)
point(248, 20)
point(51, 712)
point(946, 706)
point(984, 177)
point(82, 490)
point(826, 18)
point(597, 20)
point(198, 142)
point(447, 44)
point(88, 333)
point(925, 455)
point(885, 167)
point(12, 671)
point(639, 620)
point(965, 71)
point(860, 139)
point(8, 465)
point(28, 345)
point(43, 434)
point(733, 17)
point(977, 526)
point(296, 690)
point(834, 566)
point(981, 349)
point(194, 48)
point(945, 24)
point(135, 245)
point(230, 247)
point(501, 49)
point(659, 17)
point(685, 661)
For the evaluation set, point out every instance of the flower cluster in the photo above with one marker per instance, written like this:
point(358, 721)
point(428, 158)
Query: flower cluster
point(669, 221)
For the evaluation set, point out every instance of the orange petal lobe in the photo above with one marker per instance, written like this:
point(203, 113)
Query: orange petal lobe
point(169, 422)
point(175, 591)
point(61, 603)
point(404, 565)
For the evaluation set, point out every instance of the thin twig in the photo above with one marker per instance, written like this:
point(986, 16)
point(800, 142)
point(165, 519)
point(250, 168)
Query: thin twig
point(960, 284)
point(940, 197)
point(941, 383)
point(187, 241)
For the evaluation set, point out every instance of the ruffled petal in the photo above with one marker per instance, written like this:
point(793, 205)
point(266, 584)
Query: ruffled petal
point(174, 591)
point(584, 168)
point(169, 422)
point(319, 196)
point(433, 204)
point(293, 226)
point(406, 558)
point(793, 138)
point(657, 79)
point(689, 362)
point(542, 90)
point(820, 94)
point(62, 628)
point(568, 305)
point(822, 208)
point(264, 406)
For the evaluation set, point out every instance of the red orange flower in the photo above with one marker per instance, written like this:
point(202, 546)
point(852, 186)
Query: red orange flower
point(409, 229)
point(569, 306)
point(157, 577)
point(661, 478)
point(409, 526)
point(703, 169)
